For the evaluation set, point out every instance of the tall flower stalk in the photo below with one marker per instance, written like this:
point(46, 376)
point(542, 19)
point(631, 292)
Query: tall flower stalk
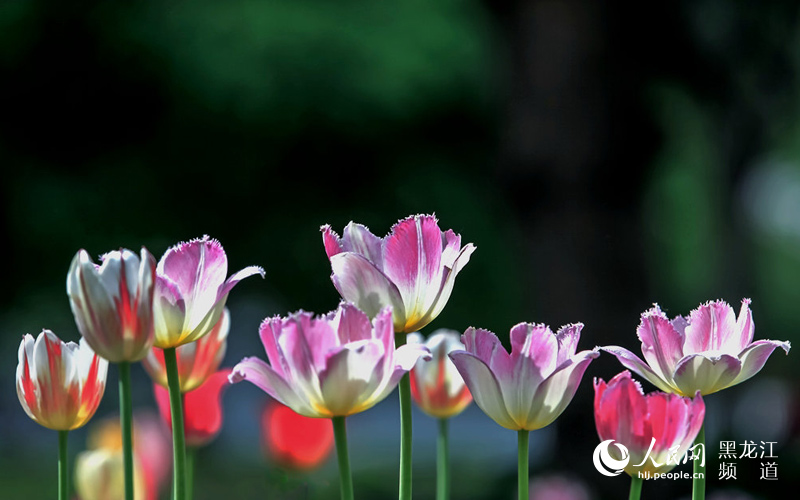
point(528, 388)
point(413, 270)
point(189, 299)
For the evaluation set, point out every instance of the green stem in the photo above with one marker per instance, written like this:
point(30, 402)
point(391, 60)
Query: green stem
point(63, 473)
point(636, 487)
point(191, 454)
point(442, 463)
point(126, 423)
point(699, 479)
point(522, 464)
point(404, 390)
point(176, 413)
point(345, 476)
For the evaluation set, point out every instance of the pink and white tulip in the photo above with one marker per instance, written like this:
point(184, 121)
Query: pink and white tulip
point(59, 384)
point(329, 366)
point(436, 385)
point(191, 291)
point(623, 413)
point(412, 269)
point(113, 302)
point(707, 351)
point(197, 360)
point(529, 388)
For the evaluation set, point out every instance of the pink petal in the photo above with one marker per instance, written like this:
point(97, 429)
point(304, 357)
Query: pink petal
point(534, 351)
point(662, 345)
point(235, 278)
point(556, 392)
point(269, 331)
point(568, 337)
point(412, 260)
point(712, 327)
point(632, 362)
point(351, 324)
point(484, 387)
point(331, 241)
point(358, 239)
point(619, 410)
point(698, 372)
point(195, 267)
point(260, 374)
point(487, 347)
point(360, 282)
point(754, 356)
point(744, 325)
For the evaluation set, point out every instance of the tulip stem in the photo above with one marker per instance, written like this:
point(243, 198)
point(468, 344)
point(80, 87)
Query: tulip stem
point(522, 463)
point(126, 423)
point(63, 473)
point(442, 463)
point(346, 478)
point(191, 454)
point(699, 476)
point(404, 390)
point(176, 413)
point(636, 487)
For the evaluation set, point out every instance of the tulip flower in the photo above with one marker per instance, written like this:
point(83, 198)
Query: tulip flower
point(529, 388)
point(197, 361)
point(59, 386)
point(440, 392)
point(707, 351)
point(191, 291)
point(113, 308)
point(190, 295)
point(330, 366)
point(112, 302)
point(436, 385)
point(657, 429)
point(294, 441)
point(413, 270)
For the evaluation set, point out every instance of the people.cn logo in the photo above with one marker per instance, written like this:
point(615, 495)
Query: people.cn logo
point(607, 465)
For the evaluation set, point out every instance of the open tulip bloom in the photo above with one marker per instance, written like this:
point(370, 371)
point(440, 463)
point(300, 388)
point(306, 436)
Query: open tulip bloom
point(113, 308)
point(413, 270)
point(190, 295)
point(706, 352)
point(529, 388)
point(440, 392)
point(330, 366)
point(657, 429)
point(59, 386)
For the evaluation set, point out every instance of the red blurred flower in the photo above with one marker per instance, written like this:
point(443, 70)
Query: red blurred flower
point(294, 441)
point(202, 408)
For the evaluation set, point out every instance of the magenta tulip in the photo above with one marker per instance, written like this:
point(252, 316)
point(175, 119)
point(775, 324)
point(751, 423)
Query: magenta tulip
point(529, 388)
point(657, 429)
point(412, 269)
point(708, 351)
point(191, 291)
point(329, 366)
